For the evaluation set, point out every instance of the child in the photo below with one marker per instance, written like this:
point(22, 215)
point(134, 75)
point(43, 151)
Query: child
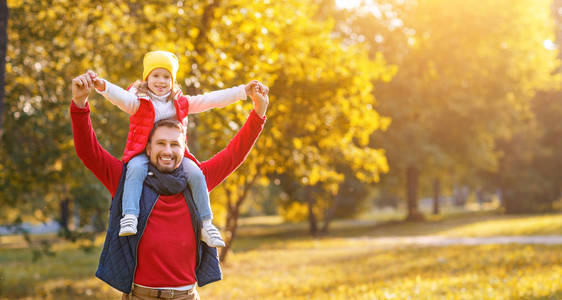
point(157, 90)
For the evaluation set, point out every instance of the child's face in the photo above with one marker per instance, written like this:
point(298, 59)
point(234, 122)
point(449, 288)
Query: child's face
point(159, 81)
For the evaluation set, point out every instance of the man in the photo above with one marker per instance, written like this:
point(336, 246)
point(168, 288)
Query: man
point(166, 258)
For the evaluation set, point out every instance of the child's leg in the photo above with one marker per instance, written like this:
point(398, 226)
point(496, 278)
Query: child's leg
point(136, 174)
point(209, 233)
point(132, 189)
point(198, 185)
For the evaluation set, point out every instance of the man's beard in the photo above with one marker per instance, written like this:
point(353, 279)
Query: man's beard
point(165, 169)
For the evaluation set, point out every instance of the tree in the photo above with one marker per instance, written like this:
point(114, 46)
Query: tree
point(322, 109)
point(529, 175)
point(466, 73)
point(39, 167)
point(316, 83)
point(4, 13)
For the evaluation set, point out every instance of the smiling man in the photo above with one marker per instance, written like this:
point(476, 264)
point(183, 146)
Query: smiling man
point(166, 151)
point(166, 259)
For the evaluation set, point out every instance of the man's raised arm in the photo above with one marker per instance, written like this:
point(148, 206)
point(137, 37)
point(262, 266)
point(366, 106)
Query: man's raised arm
point(226, 161)
point(106, 167)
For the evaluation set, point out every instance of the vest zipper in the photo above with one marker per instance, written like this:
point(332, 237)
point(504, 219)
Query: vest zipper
point(197, 245)
point(137, 246)
point(197, 224)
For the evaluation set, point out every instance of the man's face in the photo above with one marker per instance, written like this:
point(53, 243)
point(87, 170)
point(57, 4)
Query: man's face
point(166, 149)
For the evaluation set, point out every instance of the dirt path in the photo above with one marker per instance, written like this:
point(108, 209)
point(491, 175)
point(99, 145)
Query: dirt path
point(470, 241)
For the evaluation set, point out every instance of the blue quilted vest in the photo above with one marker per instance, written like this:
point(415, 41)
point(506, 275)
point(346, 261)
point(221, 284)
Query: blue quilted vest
point(118, 258)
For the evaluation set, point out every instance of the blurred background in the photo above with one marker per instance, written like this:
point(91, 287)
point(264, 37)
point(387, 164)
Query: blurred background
point(390, 118)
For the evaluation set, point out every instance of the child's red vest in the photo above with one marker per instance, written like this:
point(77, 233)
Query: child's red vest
point(141, 123)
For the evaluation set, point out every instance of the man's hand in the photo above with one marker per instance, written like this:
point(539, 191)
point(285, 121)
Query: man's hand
point(250, 87)
point(260, 99)
point(255, 86)
point(258, 92)
point(99, 83)
point(81, 87)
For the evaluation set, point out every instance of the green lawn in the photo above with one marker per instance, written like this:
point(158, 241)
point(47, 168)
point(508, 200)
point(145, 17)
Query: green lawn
point(280, 261)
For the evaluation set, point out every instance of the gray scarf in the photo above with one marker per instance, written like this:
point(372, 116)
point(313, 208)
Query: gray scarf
point(166, 183)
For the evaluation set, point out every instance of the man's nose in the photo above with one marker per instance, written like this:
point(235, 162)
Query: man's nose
point(167, 149)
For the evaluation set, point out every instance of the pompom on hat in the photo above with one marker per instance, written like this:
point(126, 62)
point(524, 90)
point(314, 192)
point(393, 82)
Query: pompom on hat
point(160, 59)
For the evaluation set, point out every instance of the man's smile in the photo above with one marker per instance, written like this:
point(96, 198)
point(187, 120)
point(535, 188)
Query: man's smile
point(167, 159)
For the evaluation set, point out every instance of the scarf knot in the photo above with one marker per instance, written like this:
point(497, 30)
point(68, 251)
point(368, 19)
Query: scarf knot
point(166, 183)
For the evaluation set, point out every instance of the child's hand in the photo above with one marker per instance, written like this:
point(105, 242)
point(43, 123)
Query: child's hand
point(251, 88)
point(260, 102)
point(99, 84)
point(91, 74)
point(254, 87)
point(263, 89)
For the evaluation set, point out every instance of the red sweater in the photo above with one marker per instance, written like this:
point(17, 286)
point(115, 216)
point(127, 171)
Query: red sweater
point(166, 253)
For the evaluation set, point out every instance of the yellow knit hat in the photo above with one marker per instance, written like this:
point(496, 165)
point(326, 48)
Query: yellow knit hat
point(160, 59)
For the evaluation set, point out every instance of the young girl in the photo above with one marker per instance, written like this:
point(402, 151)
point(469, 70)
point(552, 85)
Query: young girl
point(154, 98)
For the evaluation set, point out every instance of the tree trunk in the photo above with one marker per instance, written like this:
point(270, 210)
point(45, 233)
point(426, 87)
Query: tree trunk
point(232, 215)
point(312, 219)
point(64, 214)
point(76, 217)
point(436, 191)
point(98, 223)
point(480, 196)
point(329, 215)
point(231, 228)
point(412, 176)
point(4, 14)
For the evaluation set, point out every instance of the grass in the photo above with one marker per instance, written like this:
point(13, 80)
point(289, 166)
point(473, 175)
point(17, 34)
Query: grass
point(280, 261)
point(267, 232)
point(357, 270)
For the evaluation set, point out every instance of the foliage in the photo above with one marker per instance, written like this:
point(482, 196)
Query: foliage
point(321, 112)
point(467, 71)
point(530, 168)
point(529, 174)
point(324, 67)
point(548, 163)
point(4, 15)
point(44, 53)
point(322, 108)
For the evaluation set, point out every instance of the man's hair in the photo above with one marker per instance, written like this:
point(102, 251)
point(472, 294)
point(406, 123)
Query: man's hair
point(170, 123)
